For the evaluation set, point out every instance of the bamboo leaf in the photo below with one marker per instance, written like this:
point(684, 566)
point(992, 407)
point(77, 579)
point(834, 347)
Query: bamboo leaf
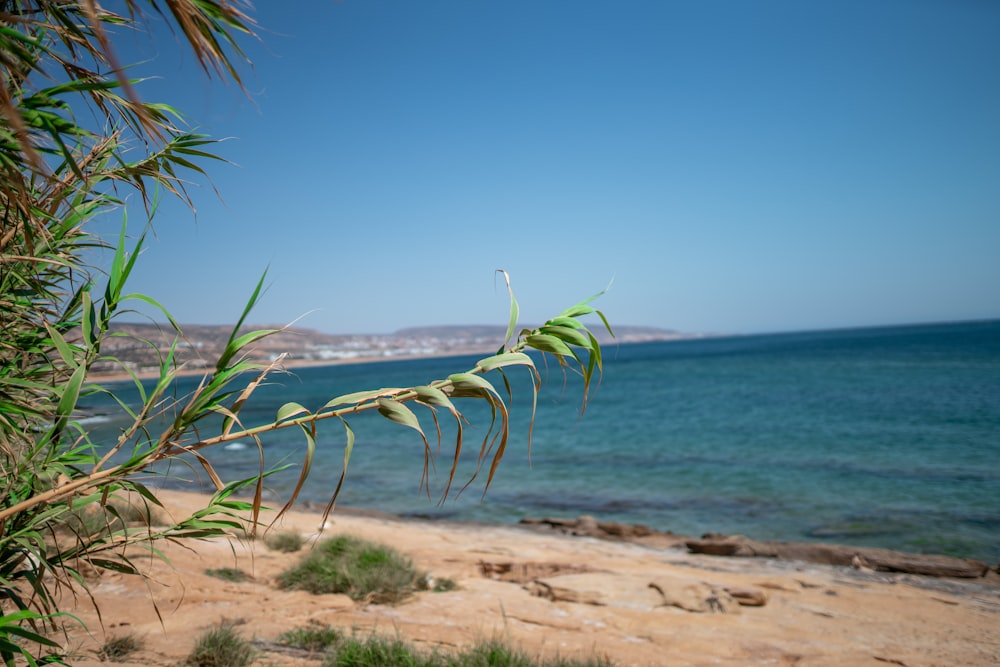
point(571, 322)
point(577, 311)
point(309, 430)
point(289, 410)
point(514, 311)
point(548, 343)
point(397, 412)
point(348, 449)
point(353, 398)
point(434, 396)
point(71, 392)
point(114, 565)
point(470, 381)
point(567, 335)
point(503, 360)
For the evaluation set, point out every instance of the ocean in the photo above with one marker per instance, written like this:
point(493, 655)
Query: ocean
point(886, 437)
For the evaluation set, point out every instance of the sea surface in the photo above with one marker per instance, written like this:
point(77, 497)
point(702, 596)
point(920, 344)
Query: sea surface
point(884, 437)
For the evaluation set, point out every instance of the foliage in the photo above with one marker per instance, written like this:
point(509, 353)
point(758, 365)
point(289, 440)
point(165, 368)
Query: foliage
point(314, 637)
point(358, 568)
point(286, 541)
point(379, 651)
point(495, 653)
point(233, 574)
point(376, 650)
point(222, 646)
point(118, 648)
point(75, 140)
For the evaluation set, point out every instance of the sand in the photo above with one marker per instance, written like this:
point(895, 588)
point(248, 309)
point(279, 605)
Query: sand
point(579, 597)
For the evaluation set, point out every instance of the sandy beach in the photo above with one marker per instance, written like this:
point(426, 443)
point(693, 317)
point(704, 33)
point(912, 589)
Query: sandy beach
point(636, 604)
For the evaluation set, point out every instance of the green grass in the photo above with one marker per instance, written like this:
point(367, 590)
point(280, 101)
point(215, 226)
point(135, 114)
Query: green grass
point(285, 541)
point(118, 648)
point(221, 647)
point(495, 653)
point(314, 637)
point(233, 574)
point(379, 651)
point(363, 570)
point(376, 651)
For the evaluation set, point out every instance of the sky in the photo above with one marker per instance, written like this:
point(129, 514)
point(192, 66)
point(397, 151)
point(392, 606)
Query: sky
point(725, 166)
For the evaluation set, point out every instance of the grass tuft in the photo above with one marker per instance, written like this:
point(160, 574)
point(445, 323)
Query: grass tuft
point(233, 574)
point(363, 570)
point(314, 637)
point(222, 646)
point(118, 648)
point(496, 653)
point(379, 651)
point(286, 541)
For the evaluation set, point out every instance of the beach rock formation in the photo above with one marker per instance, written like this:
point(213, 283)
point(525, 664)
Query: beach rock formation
point(588, 526)
point(581, 584)
point(715, 544)
point(883, 560)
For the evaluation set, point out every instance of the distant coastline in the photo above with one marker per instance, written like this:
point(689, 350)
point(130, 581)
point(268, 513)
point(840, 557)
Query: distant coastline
point(138, 349)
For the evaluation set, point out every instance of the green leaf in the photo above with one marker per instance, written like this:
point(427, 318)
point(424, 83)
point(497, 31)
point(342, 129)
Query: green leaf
point(514, 311)
point(566, 334)
point(571, 322)
point(71, 392)
point(114, 565)
point(433, 396)
point(309, 430)
point(348, 449)
point(505, 359)
point(289, 410)
point(354, 398)
point(469, 384)
point(577, 311)
point(547, 343)
point(397, 412)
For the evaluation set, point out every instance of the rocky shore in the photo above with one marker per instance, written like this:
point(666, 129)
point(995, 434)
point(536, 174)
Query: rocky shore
point(552, 587)
point(867, 558)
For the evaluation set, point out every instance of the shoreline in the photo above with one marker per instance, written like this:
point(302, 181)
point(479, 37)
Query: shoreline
point(716, 544)
point(551, 594)
point(287, 366)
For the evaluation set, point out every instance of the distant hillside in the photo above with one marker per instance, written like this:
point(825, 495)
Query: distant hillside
point(143, 345)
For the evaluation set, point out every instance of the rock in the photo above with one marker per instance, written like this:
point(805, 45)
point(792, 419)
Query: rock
point(521, 573)
point(602, 589)
point(695, 597)
point(748, 597)
point(883, 560)
point(588, 526)
point(719, 545)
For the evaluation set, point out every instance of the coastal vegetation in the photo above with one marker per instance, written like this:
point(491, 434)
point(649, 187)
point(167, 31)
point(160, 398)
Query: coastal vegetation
point(76, 141)
point(374, 650)
point(222, 646)
point(286, 541)
point(118, 648)
point(360, 569)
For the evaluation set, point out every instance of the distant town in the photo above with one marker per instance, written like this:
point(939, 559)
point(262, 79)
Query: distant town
point(139, 347)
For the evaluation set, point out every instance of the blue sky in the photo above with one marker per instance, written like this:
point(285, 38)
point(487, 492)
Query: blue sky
point(732, 166)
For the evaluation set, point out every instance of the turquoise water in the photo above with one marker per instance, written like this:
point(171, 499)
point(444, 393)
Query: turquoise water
point(882, 437)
